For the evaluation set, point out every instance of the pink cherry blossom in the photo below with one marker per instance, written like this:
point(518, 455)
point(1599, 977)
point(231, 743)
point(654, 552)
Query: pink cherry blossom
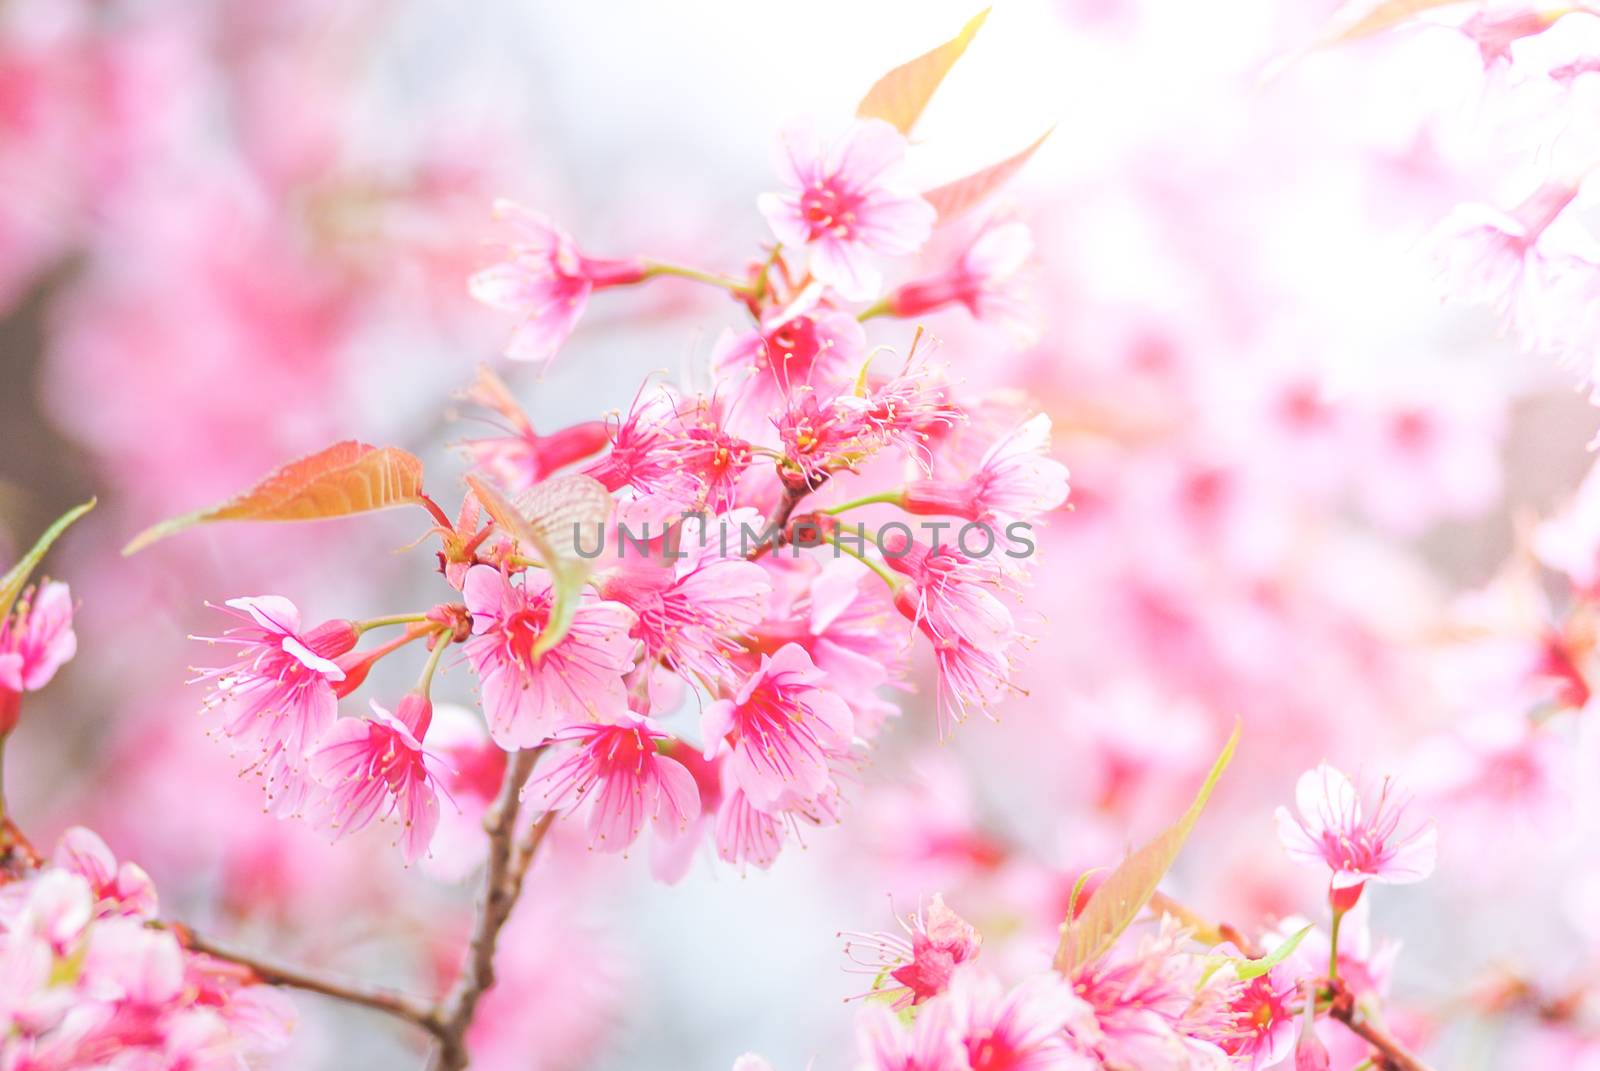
point(784, 727)
point(846, 202)
point(922, 962)
point(676, 456)
point(124, 889)
point(546, 280)
point(523, 457)
point(1334, 831)
point(35, 641)
point(277, 698)
point(629, 780)
point(1145, 1012)
point(1263, 1030)
point(376, 768)
point(928, 1043)
point(1016, 480)
point(805, 345)
point(528, 699)
point(1020, 1029)
point(745, 835)
point(1494, 33)
point(986, 280)
point(688, 615)
point(1491, 258)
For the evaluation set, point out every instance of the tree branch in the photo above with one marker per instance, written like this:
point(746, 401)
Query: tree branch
point(501, 885)
point(1389, 1052)
point(378, 998)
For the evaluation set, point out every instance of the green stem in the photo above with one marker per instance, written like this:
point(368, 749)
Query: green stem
point(881, 307)
point(759, 291)
point(888, 577)
point(1333, 947)
point(425, 682)
point(391, 619)
point(890, 497)
point(743, 289)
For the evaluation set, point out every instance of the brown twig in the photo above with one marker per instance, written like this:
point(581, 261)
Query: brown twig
point(502, 884)
point(1388, 1051)
point(378, 998)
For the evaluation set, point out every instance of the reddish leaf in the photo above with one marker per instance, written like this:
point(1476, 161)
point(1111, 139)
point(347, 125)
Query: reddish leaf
point(954, 198)
point(346, 478)
point(16, 578)
point(1120, 898)
point(900, 96)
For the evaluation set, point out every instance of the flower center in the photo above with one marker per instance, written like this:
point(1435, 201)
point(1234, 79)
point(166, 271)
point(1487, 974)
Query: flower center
point(828, 210)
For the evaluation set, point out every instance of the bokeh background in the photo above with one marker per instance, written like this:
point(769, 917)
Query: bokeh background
point(1304, 487)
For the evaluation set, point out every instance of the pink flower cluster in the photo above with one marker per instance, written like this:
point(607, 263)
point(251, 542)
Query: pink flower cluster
point(88, 979)
point(730, 573)
point(1166, 995)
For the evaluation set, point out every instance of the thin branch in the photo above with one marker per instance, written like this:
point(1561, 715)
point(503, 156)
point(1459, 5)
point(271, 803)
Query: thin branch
point(379, 998)
point(1389, 1051)
point(501, 885)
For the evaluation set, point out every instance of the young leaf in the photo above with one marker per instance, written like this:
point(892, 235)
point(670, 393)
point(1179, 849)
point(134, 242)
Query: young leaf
point(16, 577)
point(1255, 968)
point(548, 519)
point(954, 198)
point(1246, 969)
point(1126, 890)
point(348, 477)
point(900, 96)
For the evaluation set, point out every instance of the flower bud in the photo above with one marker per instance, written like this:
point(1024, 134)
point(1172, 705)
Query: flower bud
point(333, 638)
point(415, 712)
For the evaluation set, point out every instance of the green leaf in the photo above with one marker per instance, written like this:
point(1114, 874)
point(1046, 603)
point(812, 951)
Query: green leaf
point(900, 96)
point(348, 477)
point(954, 198)
point(1246, 969)
point(547, 519)
point(16, 577)
point(1124, 893)
point(1255, 968)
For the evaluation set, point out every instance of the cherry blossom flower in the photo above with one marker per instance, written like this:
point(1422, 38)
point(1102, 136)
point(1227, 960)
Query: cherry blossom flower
point(1021, 1029)
point(783, 727)
point(122, 889)
point(1494, 33)
point(1144, 1001)
point(618, 765)
point(1016, 480)
point(675, 455)
point(277, 698)
point(1334, 831)
point(1262, 1030)
point(985, 280)
point(929, 1043)
point(847, 201)
point(1490, 258)
point(376, 768)
point(528, 699)
point(523, 457)
point(805, 344)
point(745, 835)
point(922, 962)
point(84, 982)
point(36, 640)
point(546, 280)
point(689, 614)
